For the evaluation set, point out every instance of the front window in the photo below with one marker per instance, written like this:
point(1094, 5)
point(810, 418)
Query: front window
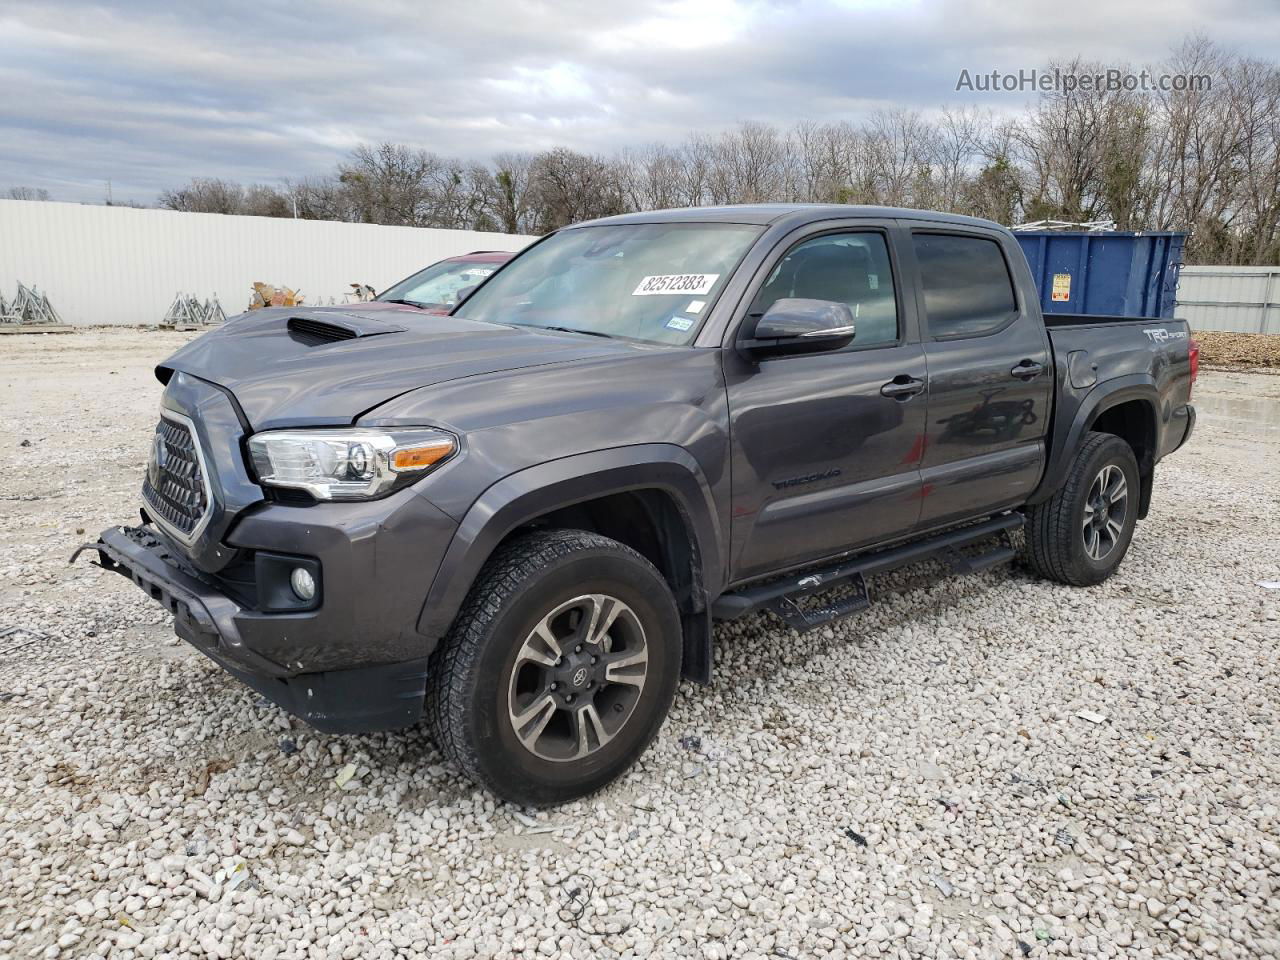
point(438, 284)
point(641, 281)
point(851, 268)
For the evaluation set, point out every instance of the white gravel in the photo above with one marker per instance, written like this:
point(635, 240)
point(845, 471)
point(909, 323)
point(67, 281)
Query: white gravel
point(988, 766)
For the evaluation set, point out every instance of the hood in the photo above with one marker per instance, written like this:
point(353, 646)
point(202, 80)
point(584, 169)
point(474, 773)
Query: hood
point(290, 366)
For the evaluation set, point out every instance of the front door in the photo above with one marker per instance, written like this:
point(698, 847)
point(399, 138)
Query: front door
point(826, 447)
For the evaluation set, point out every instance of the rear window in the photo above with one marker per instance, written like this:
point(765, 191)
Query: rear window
point(967, 288)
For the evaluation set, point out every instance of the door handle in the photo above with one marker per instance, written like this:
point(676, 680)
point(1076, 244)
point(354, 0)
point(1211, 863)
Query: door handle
point(902, 387)
point(1027, 369)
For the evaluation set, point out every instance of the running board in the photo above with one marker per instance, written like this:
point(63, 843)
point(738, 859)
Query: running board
point(782, 596)
point(983, 561)
point(802, 619)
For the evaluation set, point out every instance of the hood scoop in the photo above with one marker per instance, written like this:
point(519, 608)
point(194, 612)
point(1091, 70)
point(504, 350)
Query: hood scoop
point(333, 328)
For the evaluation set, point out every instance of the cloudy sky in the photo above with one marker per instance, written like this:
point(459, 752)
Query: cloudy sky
point(151, 93)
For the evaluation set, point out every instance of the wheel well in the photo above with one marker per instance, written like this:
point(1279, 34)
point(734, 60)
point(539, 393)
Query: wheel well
point(651, 522)
point(1134, 422)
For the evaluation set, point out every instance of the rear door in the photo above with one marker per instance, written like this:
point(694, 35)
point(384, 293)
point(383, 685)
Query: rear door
point(826, 447)
point(990, 374)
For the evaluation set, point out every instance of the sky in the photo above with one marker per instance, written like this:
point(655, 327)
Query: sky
point(149, 94)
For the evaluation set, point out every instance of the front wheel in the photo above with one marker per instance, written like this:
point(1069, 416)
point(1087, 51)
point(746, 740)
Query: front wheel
point(559, 670)
point(1080, 534)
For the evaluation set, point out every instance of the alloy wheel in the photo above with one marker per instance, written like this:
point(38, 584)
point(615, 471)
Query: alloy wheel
point(1105, 511)
point(577, 677)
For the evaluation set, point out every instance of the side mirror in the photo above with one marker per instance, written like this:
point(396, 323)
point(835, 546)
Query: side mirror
point(795, 325)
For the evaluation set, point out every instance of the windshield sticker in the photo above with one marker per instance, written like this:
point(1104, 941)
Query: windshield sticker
point(680, 323)
point(478, 272)
point(695, 306)
point(686, 283)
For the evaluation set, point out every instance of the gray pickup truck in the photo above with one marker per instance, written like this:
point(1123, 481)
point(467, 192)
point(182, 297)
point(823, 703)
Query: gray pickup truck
point(519, 521)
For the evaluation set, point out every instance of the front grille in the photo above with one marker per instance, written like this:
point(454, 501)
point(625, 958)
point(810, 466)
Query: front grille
point(174, 486)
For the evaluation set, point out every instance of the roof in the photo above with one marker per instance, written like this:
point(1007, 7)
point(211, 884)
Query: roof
point(794, 214)
point(482, 256)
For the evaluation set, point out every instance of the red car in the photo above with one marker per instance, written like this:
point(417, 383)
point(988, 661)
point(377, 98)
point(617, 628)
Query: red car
point(435, 289)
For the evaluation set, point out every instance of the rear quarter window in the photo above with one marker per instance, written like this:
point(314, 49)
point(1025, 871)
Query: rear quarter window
point(968, 291)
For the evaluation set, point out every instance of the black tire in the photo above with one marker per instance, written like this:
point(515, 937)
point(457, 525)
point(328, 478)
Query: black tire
point(1059, 547)
point(477, 676)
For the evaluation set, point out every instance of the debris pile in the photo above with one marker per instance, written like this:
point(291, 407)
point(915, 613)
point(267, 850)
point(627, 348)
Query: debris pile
point(265, 295)
point(1219, 348)
point(188, 313)
point(30, 308)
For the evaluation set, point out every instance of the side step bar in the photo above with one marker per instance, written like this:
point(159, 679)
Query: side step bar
point(782, 596)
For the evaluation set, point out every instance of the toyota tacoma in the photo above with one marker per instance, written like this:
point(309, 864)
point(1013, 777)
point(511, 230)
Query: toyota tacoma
point(518, 522)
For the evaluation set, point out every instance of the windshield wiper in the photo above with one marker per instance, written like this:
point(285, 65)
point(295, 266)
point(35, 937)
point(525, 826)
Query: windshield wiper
point(412, 303)
point(589, 333)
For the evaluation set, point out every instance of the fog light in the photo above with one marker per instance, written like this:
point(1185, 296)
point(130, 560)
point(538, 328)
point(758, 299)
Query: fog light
point(303, 583)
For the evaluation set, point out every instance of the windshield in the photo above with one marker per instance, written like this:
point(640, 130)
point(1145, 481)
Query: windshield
point(643, 281)
point(438, 284)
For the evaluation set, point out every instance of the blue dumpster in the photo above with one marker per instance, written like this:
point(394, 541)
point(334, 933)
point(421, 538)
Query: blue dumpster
point(1122, 274)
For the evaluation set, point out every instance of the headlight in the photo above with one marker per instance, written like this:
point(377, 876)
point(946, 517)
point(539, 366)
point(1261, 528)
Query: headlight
point(357, 464)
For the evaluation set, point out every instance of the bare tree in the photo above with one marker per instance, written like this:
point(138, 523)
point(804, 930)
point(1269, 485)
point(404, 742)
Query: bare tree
point(654, 178)
point(322, 198)
point(897, 144)
point(205, 195)
point(1253, 94)
point(27, 193)
point(211, 195)
point(954, 150)
point(388, 183)
point(504, 188)
point(1201, 143)
point(1063, 143)
point(751, 165)
point(263, 201)
point(823, 159)
point(571, 186)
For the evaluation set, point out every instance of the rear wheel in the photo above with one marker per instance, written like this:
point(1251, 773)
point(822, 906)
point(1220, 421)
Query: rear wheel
point(559, 670)
point(1080, 534)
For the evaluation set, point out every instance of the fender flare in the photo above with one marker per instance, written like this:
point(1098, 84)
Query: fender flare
point(534, 491)
point(1103, 396)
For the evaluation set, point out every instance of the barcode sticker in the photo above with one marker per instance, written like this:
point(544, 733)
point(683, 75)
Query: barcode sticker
point(689, 284)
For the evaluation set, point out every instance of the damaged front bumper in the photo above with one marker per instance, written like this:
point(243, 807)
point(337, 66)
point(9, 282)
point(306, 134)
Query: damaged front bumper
point(356, 700)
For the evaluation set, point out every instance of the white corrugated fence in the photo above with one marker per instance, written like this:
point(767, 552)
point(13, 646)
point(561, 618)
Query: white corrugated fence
point(1238, 299)
point(120, 265)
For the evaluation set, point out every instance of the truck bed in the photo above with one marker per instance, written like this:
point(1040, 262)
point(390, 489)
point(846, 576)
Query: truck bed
point(1133, 364)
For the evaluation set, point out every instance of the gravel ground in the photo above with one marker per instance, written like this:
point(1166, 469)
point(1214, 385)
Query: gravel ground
point(988, 766)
